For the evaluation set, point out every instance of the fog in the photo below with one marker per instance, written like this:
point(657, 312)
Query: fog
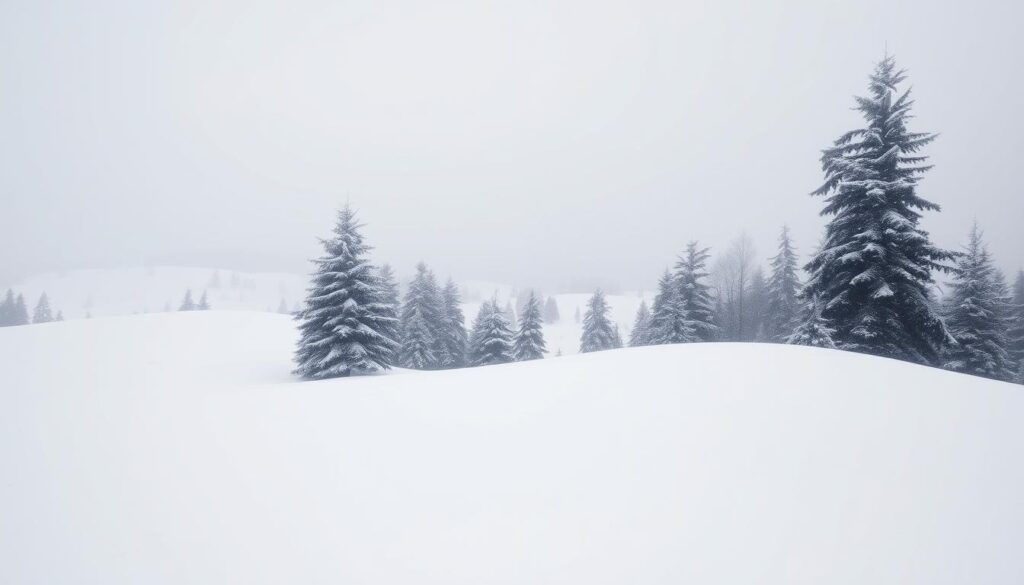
point(548, 143)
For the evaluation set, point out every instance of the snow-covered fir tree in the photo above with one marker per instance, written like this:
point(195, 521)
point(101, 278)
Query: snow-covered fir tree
point(204, 303)
point(640, 333)
point(529, 339)
point(757, 306)
point(20, 315)
point(491, 340)
point(873, 273)
point(691, 276)
point(389, 286)
point(977, 315)
point(422, 302)
point(1015, 332)
point(42, 312)
point(551, 311)
point(598, 332)
point(453, 331)
point(783, 311)
point(669, 322)
point(345, 324)
point(814, 330)
point(7, 309)
point(187, 304)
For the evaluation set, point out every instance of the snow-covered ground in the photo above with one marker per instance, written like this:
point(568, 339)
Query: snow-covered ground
point(127, 291)
point(176, 448)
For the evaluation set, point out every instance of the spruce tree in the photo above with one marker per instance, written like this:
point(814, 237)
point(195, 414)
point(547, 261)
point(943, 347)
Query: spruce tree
point(20, 311)
point(669, 322)
point(598, 332)
point(551, 311)
point(695, 293)
point(873, 273)
point(7, 310)
point(1015, 334)
point(783, 310)
point(422, 300)
point(640, 333)
point(345, 324)
point(187, 304)
point(42, 312)
point(204, 304)
point(492, 336)
point(814, 330)
point(977, 315)
point(529, 340)
point(453, 330)
point(392, 305)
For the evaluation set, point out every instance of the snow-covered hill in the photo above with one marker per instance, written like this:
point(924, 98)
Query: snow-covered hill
point(176, 448)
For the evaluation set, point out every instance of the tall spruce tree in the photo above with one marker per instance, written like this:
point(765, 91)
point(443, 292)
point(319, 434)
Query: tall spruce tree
point(551, 311)
point(529, 339)
point(695, 294)
point(453, 330)
point(392, 304)
point(422, 301)
point(640, 333)
point(20, 311)
point(345, 324)
point(204, 303)
point(813, 330)
point(977, 315)
point(42, 312)
point(187, 304)
point(1015, 334)
point(598, 332)
point(7, 310)
point(783, 310)
point(669, 322)
point(491, 337)
point(873, 273)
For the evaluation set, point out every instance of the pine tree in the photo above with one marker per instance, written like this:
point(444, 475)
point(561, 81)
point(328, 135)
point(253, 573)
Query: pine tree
point(1015, 334)
point(977, 315)
point(510, 313)
point(669, 322)
point(814, 330)
point(492, 336)
point(392, 305)
point(7, 310)
point(873, 273)
point(422, 300)
point(757, 306)
point(345, 324)
point(529, 340)
point(42, 312)
point(695, 293)
point(551, 311)
point(453, 331)
point(598, 333)
point(783, 310)
point(187, 304)
point(20, 311)
point(641, 326)
point(204, 304)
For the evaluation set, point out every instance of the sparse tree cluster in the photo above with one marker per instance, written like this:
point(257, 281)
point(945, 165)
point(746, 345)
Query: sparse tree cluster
point(14, 311)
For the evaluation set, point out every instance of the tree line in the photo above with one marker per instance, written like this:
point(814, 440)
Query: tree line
point(14, 311)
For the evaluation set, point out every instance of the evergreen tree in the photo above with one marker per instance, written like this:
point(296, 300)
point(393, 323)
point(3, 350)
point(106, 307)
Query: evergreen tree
point(345, 324)
point(492, 336)
point(551, 311)
point(7, 310)
point(204, 304)
point(60, 316)
point(187, 304)
point(641, 326)
point(42, 312)
point(783, 310)
point(598, 333)
point(757, 306)
point(873, 273)
point(20, 311)
point(510, 313)
point(669, 322)
point(453, 331)
point(617, 338)
point(422, 300)
point(1015, 334)
point(977, 316)
point(389, 286)
point(814, 330)
point(695, 293)
point(529, 340)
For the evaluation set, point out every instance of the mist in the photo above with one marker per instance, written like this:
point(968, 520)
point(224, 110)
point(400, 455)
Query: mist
point(531, 143)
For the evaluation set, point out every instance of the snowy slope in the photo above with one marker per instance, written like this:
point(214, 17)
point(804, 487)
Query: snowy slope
point(175, 448)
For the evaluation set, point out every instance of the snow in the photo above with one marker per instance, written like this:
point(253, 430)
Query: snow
point(176, 448)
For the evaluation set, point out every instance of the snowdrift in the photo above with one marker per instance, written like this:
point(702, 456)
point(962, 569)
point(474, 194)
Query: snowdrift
point(176, 448)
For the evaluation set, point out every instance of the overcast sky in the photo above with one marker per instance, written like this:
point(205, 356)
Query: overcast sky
point(530, 142)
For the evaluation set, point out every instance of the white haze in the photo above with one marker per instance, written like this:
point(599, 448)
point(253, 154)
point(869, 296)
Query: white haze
point(525, 142)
